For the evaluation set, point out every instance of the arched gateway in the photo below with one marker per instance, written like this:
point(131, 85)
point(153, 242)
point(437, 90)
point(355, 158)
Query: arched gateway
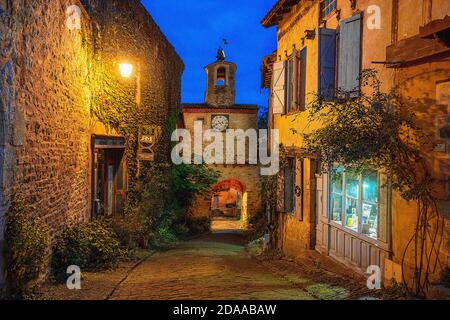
point(237, 194)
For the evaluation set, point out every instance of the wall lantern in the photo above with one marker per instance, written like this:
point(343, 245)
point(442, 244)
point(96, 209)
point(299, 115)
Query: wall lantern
point(126, 70)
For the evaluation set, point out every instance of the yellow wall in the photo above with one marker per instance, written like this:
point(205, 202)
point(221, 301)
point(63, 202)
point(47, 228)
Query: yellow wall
point(416, 82)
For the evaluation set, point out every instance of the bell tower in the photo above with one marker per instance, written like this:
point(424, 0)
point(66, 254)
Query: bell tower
point(220, 85)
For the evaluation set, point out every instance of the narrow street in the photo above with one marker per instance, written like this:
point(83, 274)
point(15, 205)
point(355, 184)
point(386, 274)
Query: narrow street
point(211, 267)
point(218, 266)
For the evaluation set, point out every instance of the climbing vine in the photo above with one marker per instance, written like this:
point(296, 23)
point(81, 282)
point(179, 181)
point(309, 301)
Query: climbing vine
point(381, 130)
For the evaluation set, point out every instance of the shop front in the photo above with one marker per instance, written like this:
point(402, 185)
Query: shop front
point(353, 217)
point(109, 176)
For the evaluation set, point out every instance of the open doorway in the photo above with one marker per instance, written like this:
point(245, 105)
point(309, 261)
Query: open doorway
point(228, 206)
point(109, 177)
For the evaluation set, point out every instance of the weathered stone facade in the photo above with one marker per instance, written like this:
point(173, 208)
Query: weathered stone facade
point(60, 85)
point(222, 95)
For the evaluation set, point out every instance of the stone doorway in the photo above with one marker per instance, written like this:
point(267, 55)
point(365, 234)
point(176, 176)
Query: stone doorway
point(109, 175)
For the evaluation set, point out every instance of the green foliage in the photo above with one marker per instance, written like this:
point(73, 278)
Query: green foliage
point(159, 197)
point(380, 130)
point(376, 130)
point(27, 244)
point(130, 231)
point(92, 246)
point(198, 225)
point(190, 181)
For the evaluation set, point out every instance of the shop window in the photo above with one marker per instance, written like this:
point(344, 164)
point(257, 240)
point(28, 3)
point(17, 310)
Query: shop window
point(336, 194)
point(370, 204)
point(354, 201)
point(351, 217)
point(327, 7)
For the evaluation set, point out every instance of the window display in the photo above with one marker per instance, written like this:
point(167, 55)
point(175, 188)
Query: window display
point(336, 194)
point(351, 201)
point(370, 204)
point(354, 201)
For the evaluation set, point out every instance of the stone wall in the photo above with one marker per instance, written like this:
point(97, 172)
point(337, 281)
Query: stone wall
point(7, 26)
point(53, 82)
point(220, 96)
point(130, 35)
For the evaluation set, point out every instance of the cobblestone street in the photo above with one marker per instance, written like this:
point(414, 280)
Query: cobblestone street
point(218, 266)
point(211, 267)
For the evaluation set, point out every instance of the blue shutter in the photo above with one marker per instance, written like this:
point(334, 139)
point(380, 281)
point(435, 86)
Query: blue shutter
point(350, 56)
point(303, 66)
point(327, 62)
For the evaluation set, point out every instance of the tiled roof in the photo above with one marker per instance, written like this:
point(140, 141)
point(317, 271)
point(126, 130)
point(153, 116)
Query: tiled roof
point(267, 69)
point(278, 10)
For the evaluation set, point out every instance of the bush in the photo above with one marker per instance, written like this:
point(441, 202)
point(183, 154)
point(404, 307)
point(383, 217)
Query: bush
point(92, 246)
point(130, 230)
point(27, 243)
point(446, 277)
point(199, 225)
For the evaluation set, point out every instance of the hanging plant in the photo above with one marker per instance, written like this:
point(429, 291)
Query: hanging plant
point(380, 130)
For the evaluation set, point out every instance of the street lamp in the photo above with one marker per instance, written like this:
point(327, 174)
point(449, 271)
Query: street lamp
point(126, 70)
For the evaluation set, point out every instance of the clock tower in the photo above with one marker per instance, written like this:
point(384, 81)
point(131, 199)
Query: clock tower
point(237, 193)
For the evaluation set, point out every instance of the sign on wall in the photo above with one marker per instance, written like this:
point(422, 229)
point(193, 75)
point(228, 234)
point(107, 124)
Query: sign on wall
point(148, 137)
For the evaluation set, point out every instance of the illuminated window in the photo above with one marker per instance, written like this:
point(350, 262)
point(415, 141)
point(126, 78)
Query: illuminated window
point(327, 7)
point(336, 194)
point(354, 200)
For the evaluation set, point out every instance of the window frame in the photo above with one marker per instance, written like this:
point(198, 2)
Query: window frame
point(325, 5)
point(342, 224)
point(290, 76)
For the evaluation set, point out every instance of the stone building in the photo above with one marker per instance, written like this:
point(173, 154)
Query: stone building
point(237, 193)
point(68, 114)
point(324, 45)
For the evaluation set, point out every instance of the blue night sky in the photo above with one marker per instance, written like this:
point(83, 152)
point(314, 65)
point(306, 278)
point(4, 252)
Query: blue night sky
point(195, 28)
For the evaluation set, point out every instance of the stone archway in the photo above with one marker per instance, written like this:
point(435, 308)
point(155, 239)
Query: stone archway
point(229, 204)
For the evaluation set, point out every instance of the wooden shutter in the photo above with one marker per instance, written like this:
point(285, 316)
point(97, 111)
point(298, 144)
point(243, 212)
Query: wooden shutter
point(279, 87)
point(299, 188)
point(303, 65)
point(296, 80)
point(289, 186)
point(350, 55)
point(280, 190)
point(327, 62)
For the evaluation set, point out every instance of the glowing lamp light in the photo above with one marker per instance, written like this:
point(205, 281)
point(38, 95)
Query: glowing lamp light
point(126, 70)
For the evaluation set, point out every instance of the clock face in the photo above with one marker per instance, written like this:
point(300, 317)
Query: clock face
point(220, 123)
